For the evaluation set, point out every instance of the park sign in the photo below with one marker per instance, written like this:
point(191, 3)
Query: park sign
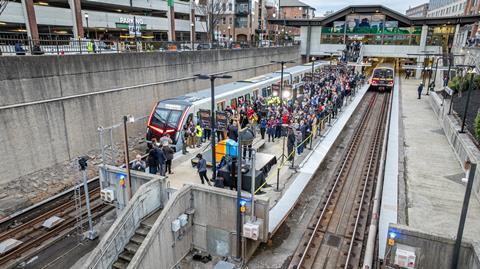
point(170, 3)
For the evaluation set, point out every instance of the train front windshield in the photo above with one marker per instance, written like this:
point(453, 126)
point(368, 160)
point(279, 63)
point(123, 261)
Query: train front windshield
point(383, 74)
point(166, 118)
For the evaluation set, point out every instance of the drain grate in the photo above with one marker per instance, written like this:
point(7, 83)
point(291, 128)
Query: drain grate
point(333, 240)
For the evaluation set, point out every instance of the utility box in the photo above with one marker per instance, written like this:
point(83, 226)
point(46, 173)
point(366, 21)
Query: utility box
point(251, 230)
point(107, 195)
point(176, 225)
point(405, 258)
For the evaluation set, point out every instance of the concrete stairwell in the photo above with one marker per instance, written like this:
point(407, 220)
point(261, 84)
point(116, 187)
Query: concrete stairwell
point(135, 241)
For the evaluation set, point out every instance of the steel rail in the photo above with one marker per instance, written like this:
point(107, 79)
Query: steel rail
point(357, 135)
point(371, 164)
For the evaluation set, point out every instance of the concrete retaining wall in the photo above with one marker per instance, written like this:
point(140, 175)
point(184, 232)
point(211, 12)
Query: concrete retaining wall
point(462, 144)
point(211, 229)
point(52, 106)
point(432, 251)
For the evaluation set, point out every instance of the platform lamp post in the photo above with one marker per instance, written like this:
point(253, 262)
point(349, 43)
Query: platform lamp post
point(472, 73)
point(127, 119)
point(281, 111)
point(313, 66)
point(463, 216)
point(91, 233)
point(212, 116)
point(88, 28)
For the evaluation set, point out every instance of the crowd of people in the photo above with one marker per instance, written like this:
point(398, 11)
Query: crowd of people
point(298, 119)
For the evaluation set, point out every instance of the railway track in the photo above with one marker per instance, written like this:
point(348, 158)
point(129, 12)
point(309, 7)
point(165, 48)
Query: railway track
point(337, 230)
point(35, 237)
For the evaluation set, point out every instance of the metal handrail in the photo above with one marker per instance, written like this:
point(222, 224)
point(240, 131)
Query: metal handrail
point(111, 240)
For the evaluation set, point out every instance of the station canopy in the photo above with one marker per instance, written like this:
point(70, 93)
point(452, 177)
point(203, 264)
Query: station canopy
point(374, 18)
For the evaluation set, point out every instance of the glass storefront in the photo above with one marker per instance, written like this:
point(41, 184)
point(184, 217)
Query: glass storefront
point(440, 36)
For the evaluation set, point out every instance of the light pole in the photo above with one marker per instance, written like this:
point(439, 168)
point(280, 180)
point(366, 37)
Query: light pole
point(212, 116)
point(313, 66)
point(281, 114)
point(463, 216)
point(126, 119)
point(91, 234)
point(88, 28)
point(472, 72)
point(229, 36)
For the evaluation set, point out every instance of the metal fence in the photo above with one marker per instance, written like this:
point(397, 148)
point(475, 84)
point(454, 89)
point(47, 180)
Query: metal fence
point(11, 46)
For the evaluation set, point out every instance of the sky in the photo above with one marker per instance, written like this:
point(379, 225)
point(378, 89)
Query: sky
point(325, 5)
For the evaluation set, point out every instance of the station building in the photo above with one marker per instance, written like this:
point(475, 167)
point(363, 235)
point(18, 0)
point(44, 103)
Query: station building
point(382, 31)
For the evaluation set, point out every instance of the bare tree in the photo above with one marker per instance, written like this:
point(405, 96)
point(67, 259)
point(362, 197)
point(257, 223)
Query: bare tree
point(3, 5)
point(215, 11)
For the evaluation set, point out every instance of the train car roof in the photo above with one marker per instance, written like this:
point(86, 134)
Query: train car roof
point(241, 84)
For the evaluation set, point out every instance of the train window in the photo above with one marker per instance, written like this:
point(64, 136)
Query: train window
point(247, 97)
point(240, 100)
point(255, 95)
point(264, 92)
point(221, 106)
point(160, 117)
point(389, 74)
point(269, 91)
point(166, 117)
point(174, 118)
point(233, 103)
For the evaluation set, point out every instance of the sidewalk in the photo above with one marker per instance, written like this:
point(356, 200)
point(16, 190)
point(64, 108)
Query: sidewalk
point(433, 174)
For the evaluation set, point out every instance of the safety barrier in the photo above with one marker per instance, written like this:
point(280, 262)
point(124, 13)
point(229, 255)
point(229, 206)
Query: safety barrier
point(322, 125)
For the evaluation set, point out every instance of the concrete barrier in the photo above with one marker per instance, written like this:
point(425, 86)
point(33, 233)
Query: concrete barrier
point(431, 251)
point(463, 146)
point(211, 228)
point(51, 106)
point(147, 199)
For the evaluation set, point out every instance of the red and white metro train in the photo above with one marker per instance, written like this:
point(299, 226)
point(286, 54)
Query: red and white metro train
point(383, 77)
point(171, 115)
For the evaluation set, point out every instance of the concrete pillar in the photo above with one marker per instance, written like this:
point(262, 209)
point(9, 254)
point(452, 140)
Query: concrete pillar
point(30, 19)
point(422, 47)
point(192, 22)
point(309, 43)
point(456, 40)
point(171, 25)
point(77, 20)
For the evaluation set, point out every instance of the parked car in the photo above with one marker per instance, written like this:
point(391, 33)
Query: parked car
point(208, 46)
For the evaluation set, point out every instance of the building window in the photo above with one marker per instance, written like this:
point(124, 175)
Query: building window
point(230, 6)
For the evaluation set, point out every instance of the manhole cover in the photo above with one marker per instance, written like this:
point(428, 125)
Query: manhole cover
point(333, 241)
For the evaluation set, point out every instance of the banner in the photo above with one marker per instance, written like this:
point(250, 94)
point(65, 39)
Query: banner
point(365, 24)
point(205, 118)
point(222, 121)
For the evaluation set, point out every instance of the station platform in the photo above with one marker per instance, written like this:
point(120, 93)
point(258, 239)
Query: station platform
point(429, 181)
point(291, 182)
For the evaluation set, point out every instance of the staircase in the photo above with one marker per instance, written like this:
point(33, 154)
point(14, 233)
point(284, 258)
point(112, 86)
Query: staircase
point(135, 242)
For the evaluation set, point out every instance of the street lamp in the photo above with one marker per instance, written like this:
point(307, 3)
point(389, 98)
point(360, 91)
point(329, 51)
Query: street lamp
point(472, 73)
point(212, 115)
point(126, 119)
point(281, 114)
point(313, 66)
point(229, 37)
point(88, 29)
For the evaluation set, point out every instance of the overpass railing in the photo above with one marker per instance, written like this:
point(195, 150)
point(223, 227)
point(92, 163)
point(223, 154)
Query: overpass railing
point(13, 46)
